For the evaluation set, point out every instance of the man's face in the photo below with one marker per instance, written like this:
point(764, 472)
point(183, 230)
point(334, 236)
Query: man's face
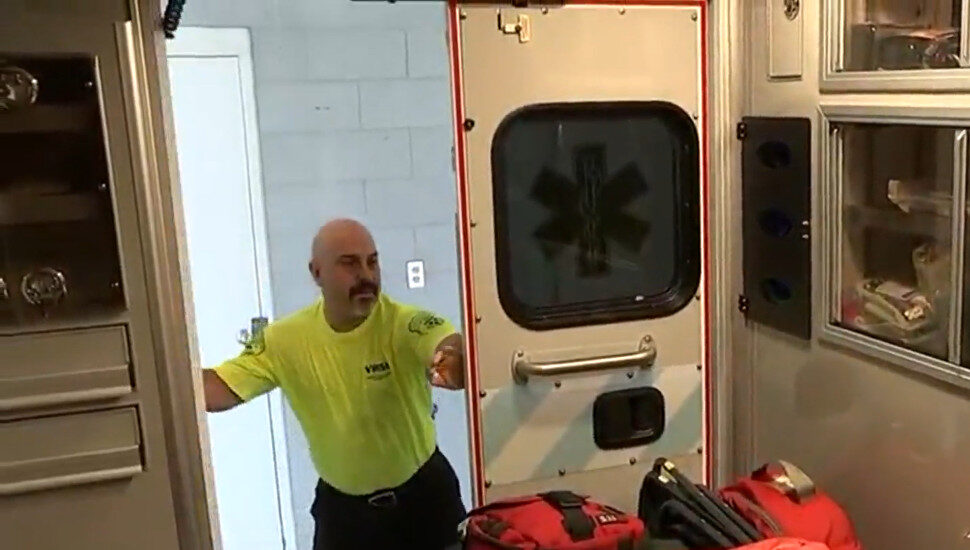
point(347, 271)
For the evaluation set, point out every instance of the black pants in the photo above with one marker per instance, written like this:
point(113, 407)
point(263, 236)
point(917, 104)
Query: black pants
point(421, 514)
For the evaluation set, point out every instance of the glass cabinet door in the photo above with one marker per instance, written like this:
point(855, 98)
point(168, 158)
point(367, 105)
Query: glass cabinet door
point(915, 45)
point(892, 35)
point(896, 233)
point(59, 259)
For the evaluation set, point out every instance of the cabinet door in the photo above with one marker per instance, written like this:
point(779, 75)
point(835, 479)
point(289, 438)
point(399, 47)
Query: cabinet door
point(895, 44)
point(59, 261)
point(895, 210)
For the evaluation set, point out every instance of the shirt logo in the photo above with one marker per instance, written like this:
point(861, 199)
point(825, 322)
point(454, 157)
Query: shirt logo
point(377, 371)
point(255, 344)
point(424, 322)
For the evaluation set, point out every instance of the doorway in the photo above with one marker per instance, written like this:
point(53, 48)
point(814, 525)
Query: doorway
point(225, 242)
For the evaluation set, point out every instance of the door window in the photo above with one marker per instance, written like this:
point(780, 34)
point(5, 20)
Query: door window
point(596, 210)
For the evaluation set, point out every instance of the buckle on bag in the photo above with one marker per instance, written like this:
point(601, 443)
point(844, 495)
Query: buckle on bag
point(579, 525)
point(387, 499)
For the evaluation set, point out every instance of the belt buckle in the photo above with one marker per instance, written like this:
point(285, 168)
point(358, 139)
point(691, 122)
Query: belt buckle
point(387, 499)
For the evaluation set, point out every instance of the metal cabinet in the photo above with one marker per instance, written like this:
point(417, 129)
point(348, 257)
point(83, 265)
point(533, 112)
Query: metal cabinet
point(59, 262)
point(893, 211)
point(911, 45)
point(96, 431)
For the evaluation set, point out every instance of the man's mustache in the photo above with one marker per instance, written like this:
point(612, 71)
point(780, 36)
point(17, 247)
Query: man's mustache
point(364, 287)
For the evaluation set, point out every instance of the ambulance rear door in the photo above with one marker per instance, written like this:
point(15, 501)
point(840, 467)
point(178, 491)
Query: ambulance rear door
point(580, 140)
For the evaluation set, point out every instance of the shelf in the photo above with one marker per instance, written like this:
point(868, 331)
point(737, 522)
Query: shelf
point(24, 209)
point(46, 119)
point(920, 223)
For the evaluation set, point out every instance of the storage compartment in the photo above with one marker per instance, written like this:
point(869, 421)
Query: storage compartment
point(60, 451)
point(895, 248)
point(59, 259)
point(892, 35)
point(46, 369)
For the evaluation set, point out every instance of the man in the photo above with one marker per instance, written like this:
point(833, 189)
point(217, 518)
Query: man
point(355, 367)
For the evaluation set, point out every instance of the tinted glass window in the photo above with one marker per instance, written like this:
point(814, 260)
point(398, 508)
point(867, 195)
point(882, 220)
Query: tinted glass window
point(596, 209)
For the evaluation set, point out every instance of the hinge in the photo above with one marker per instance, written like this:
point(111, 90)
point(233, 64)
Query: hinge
point(515, 23)
point(742, 130)
point(743, 304)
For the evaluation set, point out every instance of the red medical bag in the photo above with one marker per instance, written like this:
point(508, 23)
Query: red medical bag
point(780, 500)
point(558, 520)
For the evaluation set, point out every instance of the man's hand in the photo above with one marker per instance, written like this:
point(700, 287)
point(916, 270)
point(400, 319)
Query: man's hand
point(448, 364)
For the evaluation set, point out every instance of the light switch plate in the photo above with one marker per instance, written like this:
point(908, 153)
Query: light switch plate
point(415, 274)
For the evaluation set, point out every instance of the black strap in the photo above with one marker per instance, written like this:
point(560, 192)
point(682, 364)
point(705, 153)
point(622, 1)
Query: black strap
point(575, 521)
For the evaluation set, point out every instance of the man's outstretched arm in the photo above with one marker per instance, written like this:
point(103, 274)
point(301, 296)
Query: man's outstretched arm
point(218, 396)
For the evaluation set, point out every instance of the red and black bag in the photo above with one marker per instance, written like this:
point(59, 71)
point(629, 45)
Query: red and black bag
point(785, 544)
point(558, 520)
point(779, 499)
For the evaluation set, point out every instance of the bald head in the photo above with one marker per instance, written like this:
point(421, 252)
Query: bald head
point(344, 265)
point(338, 234)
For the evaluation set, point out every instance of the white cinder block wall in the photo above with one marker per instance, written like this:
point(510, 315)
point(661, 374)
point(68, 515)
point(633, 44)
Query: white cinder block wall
point(355, 120)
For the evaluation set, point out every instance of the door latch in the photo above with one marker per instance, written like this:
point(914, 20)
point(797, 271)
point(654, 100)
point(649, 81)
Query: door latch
point(256, 325)
point(517, 23)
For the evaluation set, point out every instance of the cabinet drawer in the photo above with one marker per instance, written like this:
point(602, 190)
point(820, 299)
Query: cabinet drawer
point(45, 369)
point(59, 451)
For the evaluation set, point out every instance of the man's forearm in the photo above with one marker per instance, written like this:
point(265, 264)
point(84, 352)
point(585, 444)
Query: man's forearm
point(218, 396)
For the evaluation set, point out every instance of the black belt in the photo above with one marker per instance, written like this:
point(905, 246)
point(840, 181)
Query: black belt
point(390, 498)
point(384, 499)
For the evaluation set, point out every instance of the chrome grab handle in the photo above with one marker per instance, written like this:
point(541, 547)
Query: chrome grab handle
point(644, 357)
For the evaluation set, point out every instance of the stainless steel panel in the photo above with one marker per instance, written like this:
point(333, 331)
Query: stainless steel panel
point(61, 451)
point(785, 44)
point(48, 369)
point(162, 507)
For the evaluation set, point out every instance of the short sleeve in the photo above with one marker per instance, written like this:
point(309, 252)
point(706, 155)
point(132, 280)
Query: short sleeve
point(253, 372)
point(423, 331)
